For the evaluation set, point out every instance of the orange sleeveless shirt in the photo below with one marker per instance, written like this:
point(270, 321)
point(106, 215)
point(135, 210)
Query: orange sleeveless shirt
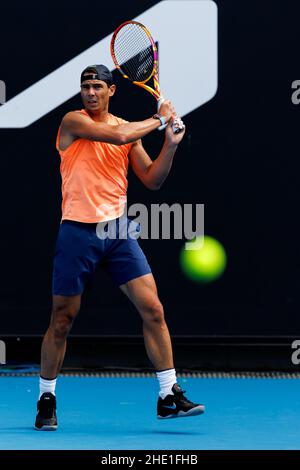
point(94, 178)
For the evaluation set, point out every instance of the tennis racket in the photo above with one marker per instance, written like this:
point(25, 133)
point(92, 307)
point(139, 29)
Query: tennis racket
point(135, 55)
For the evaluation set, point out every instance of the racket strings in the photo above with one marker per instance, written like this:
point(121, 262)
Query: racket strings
point(134, 52)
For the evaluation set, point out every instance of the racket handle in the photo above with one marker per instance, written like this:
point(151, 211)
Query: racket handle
point(175, 129)
point(160, 102)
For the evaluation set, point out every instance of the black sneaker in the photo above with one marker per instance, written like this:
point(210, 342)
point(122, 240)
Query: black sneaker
point(177, 405)
point(46, 419)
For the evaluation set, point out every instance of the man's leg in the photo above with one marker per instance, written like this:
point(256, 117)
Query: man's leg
point(65, 309)
point(171, 403)
point(143, 294)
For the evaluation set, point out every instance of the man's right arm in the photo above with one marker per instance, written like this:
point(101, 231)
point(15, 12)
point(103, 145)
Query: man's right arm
point(78, 126)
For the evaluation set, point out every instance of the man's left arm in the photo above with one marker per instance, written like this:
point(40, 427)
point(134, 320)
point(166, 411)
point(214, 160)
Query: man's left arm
point(153, 173)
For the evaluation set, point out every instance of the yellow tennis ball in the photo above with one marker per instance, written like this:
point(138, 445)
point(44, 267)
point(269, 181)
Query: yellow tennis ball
point(206, 262)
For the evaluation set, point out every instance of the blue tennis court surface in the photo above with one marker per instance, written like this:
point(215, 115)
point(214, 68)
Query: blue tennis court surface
point(120, 413)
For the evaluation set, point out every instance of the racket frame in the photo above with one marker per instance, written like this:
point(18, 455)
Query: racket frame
point(156, 92)
point(154, 74)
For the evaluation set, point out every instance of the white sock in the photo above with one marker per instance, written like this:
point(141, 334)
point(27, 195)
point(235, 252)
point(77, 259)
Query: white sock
point(166, 378)
point(47, 386)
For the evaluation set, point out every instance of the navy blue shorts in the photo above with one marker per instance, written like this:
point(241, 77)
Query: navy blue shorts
point(82, 247)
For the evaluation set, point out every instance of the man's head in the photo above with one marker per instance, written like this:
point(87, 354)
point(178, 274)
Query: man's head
point(96, 87)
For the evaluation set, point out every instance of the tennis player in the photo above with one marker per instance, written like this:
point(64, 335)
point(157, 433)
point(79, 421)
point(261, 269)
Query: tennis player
point(95, 149)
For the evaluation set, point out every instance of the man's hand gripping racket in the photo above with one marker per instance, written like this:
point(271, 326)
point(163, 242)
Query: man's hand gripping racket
point(134, 53)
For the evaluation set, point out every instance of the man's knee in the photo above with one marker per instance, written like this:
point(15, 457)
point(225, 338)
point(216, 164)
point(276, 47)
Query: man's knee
point(63, 316)
point(153, 312)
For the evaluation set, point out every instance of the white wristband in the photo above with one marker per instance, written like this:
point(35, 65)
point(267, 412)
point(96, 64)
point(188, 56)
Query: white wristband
point(161, 118)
